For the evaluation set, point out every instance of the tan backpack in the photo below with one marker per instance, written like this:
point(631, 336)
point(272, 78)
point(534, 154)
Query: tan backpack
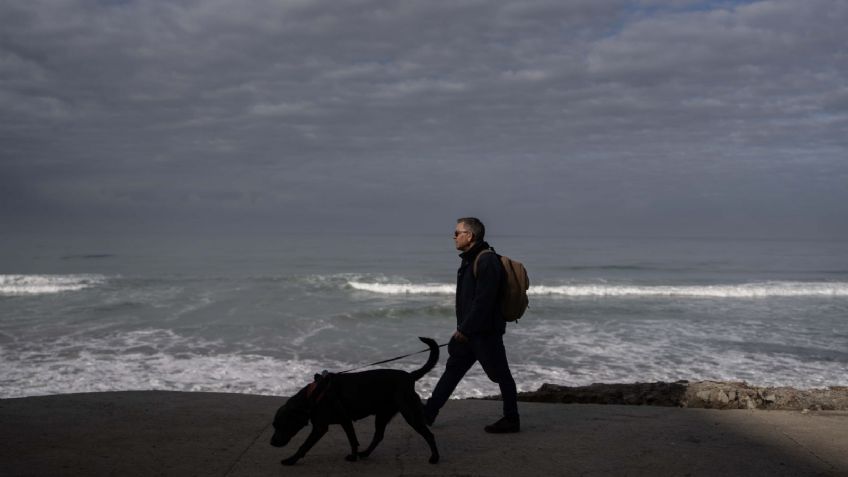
point(513, 295)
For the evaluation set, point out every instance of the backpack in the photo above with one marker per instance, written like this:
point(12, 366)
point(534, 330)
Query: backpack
point(513, 295)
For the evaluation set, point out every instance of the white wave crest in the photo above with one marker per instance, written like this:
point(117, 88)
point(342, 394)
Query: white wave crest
point(404, 288)
point(745, 290)
point(14, 285)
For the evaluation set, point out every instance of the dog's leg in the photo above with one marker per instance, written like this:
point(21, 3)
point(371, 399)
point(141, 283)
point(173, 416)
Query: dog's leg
point(314, 436)
point(413, 412)
point(347, 425)
point(380, 423)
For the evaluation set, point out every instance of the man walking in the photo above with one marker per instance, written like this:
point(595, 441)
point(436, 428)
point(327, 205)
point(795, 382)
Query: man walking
point(480, 326)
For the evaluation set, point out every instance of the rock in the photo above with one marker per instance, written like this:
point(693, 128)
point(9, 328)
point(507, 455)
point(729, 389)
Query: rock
point(698, 394)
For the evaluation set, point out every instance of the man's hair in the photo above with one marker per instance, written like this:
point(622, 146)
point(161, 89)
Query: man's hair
point(475, 226)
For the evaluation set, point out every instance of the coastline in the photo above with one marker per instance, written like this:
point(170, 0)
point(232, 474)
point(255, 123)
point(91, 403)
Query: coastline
point(184, 433)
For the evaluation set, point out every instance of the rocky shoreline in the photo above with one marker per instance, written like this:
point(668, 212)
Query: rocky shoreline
point(700, 394)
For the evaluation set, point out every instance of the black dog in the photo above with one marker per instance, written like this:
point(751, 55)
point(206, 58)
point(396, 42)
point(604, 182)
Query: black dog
point(344, 398)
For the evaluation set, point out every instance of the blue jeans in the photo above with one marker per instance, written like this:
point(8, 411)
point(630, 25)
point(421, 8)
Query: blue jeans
point(489, 351)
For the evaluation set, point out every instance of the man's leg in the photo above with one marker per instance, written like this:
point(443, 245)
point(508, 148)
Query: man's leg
point(460, 360)
point(491, 353)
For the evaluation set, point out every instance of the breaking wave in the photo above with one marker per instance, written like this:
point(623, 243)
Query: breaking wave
point(745, 290)
point(15, 285)
point(404, 288)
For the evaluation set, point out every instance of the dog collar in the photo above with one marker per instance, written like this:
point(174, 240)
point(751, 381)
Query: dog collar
point(310, 390)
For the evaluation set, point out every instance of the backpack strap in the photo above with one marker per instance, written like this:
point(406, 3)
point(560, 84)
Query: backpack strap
point(477, 258)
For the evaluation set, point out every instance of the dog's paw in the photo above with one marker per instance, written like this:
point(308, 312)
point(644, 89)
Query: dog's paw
point(363, 454)
point(290, 461)
point(434, 459)
point(352, 457)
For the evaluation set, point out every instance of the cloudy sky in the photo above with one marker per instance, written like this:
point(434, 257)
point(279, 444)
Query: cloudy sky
point(582, 117)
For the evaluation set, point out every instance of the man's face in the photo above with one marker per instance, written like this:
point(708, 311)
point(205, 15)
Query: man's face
point(462, 237)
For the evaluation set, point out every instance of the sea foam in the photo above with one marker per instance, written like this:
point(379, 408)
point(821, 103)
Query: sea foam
point(164, 360)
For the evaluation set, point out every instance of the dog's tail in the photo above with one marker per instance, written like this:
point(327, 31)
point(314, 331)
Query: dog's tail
point(431, 361)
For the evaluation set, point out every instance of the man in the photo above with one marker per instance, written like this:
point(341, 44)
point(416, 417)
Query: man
point(480, 327)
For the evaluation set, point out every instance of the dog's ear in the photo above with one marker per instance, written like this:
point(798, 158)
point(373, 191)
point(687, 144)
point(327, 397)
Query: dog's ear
point(317, 377)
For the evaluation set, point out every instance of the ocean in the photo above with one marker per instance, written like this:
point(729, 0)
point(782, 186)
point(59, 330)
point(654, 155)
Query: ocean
point(263, 315)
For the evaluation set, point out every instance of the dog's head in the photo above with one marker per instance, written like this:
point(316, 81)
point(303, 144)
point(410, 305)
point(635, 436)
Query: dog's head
point(293, 415)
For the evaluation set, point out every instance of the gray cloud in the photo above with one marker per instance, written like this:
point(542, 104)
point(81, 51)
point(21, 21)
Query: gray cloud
point(588, 117)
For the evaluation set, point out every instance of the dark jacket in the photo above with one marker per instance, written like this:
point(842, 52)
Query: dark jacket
point(477, 308)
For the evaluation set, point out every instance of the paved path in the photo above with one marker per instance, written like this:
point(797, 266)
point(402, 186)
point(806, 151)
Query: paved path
point(204, 434)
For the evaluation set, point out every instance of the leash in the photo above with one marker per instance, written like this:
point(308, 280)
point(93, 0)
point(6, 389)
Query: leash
point(391, 359)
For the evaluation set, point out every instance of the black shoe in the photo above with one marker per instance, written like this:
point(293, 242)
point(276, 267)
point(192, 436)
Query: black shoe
point(505, 425)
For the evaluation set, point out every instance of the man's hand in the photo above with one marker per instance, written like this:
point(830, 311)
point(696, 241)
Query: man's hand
point(459, 337)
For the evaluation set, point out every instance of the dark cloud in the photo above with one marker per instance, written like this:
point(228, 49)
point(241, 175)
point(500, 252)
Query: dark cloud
point(644, 117)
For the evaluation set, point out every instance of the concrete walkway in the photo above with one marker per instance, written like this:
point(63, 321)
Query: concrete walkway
point(204, 434)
